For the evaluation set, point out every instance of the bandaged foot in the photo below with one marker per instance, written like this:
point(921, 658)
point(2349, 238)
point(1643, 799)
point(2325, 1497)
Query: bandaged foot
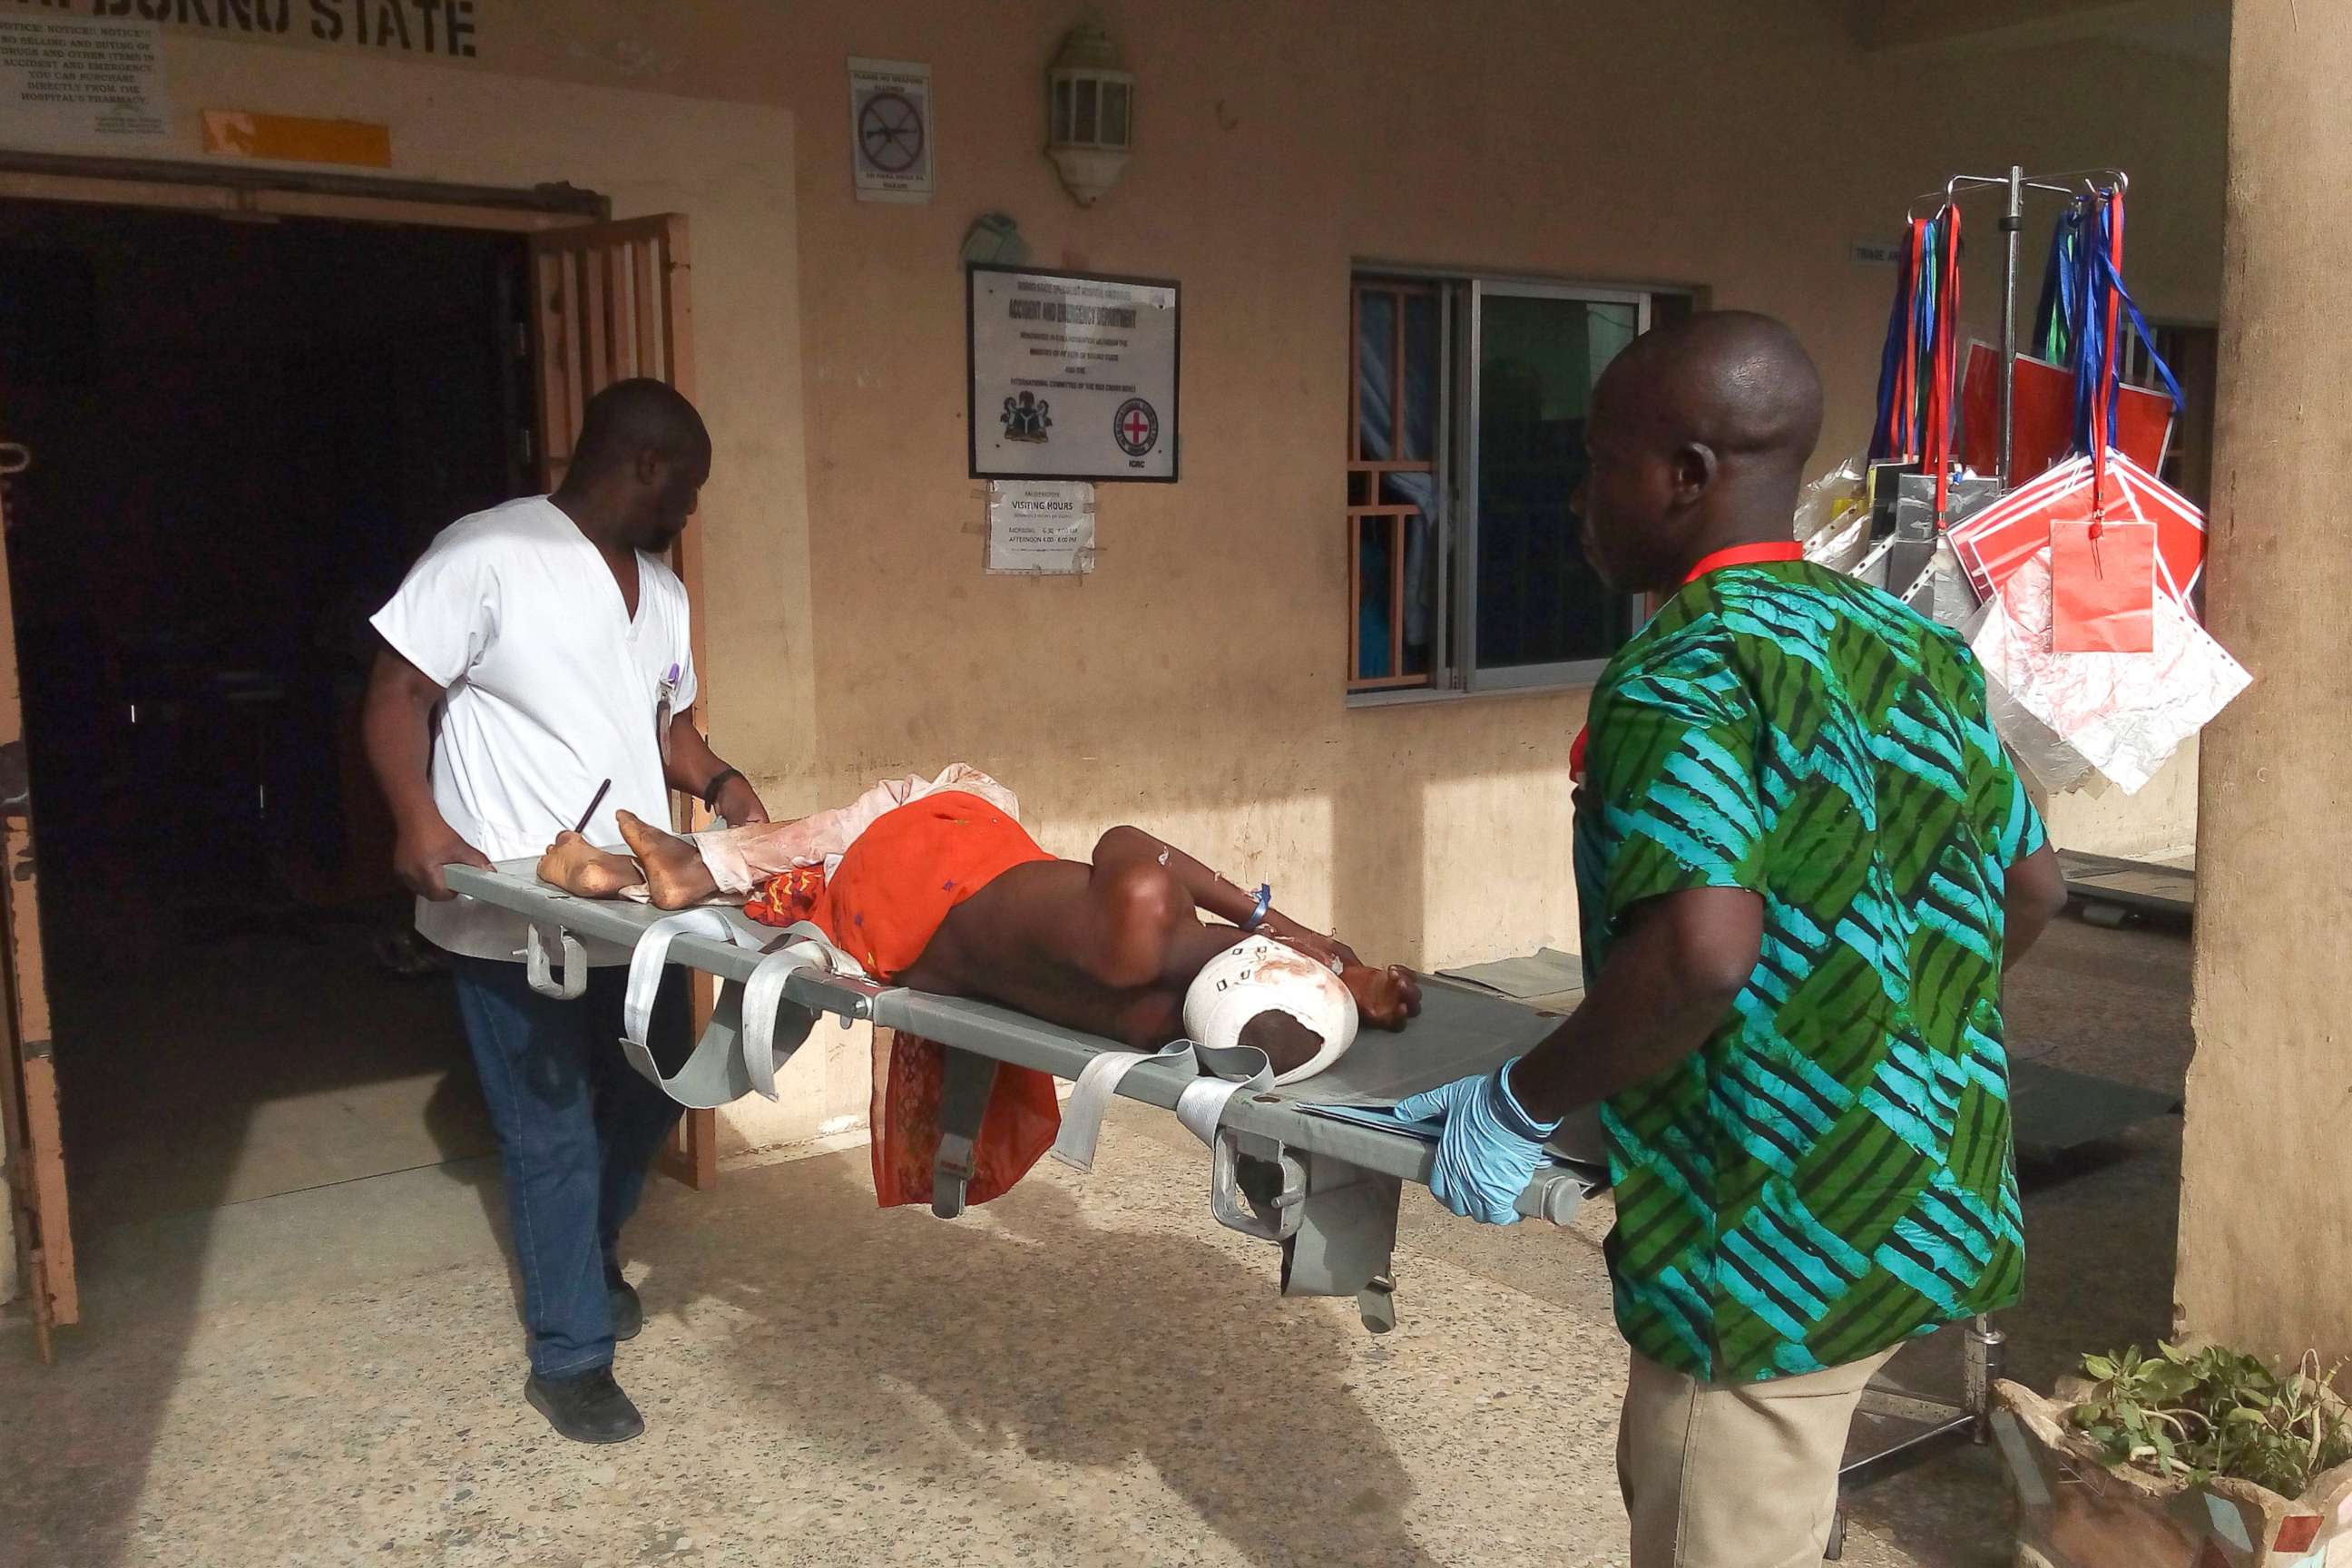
point(578, 866)
point(675, 876)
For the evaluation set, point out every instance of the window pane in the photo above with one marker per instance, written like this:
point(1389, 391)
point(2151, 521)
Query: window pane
point(1084, 129)
point(1420, 373)
point(1376, 596)
point(1420, 492)
point(1114, 114)
point(1375, 356)
point(1538, 601)
point(1374, 593)
point(1062, 110)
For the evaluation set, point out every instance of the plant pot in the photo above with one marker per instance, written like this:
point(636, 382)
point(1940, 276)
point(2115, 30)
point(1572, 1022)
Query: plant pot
point(2076, 1510)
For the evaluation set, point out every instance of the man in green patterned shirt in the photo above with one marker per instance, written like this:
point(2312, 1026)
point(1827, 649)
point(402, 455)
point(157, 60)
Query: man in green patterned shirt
point(1802, 861)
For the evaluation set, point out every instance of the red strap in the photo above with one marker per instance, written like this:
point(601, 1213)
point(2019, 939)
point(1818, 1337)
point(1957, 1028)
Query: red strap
point(1935, 442)
point(1746, 555)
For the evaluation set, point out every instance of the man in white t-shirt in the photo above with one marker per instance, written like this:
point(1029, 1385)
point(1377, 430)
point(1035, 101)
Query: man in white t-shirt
point(549, 641)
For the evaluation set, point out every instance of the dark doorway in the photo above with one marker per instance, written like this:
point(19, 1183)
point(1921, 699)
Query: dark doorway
point(242, 433)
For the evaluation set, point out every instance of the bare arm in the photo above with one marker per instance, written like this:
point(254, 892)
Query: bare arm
point(693, 764)
point(396, 725)
point(2037, 893)
point(1682, 961)
point(1128, 859)
point(1211, 893)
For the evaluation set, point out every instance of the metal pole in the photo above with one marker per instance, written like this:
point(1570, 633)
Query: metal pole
point(2011, 224)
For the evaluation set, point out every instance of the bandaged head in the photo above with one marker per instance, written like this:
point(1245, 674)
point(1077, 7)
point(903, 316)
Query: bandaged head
point(1262, 975)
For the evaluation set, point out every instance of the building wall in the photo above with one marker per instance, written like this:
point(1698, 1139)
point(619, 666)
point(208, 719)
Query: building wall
point(1194, 681)
point(1540, 142)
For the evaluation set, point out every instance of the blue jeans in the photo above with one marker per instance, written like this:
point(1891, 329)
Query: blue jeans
point(578, 1129)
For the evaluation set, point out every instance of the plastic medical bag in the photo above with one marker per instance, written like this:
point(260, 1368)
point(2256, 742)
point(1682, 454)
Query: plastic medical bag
point(2126, 714)
point(2103, 576)
point(1831, 503)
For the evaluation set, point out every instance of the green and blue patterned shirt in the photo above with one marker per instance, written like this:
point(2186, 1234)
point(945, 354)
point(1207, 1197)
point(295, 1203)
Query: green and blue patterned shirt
point(1831, 1173)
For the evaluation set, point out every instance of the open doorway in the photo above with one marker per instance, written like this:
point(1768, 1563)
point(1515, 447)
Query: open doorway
point(242, 432)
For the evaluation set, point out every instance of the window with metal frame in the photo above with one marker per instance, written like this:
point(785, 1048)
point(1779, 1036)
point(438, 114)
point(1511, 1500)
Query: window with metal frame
point(1466, 410)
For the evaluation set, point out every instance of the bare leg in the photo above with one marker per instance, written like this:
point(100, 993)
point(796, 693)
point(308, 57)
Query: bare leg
point(674, 875)
point(576, 865)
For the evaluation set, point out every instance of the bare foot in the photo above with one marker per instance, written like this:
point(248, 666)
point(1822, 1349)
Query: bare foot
point(576, 865)
point(676, 877)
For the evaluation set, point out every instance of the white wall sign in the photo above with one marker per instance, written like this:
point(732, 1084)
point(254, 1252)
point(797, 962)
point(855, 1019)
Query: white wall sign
point(1072, 377)
point(890, 130)
point(1041, 528)
point(75, 78)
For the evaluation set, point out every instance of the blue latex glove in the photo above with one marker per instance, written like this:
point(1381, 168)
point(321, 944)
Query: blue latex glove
point(1490, 1147)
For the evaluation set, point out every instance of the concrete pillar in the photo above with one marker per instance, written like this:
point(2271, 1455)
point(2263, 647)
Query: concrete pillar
point(2266, 1178)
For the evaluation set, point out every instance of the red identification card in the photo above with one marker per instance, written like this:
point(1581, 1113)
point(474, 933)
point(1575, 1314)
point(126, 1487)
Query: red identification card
point(2103, 585)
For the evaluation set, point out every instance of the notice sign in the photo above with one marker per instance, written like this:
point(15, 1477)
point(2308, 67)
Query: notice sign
point(77, 76)
point(1072, 377)
point(1041, 528)
point(890, 130)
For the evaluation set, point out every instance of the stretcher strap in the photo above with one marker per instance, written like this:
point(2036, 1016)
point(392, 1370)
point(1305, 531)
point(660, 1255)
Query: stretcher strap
point(1225, 1071)
point(652, 956)
point(739, 1051)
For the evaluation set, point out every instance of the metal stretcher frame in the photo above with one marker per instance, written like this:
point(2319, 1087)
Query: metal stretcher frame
point(1323, 1188)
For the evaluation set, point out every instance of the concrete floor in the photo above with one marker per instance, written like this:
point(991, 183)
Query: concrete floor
point(196, 1074)
point(1088, 1370)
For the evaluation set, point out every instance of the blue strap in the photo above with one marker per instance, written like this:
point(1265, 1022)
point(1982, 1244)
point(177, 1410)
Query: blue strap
point(2100, 281)
point(2138, 322)
point(1923, 347)
point(1890, 358)
point(2053, 321)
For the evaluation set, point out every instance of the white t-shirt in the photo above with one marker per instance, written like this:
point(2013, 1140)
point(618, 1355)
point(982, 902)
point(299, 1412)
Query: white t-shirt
point(552, 688)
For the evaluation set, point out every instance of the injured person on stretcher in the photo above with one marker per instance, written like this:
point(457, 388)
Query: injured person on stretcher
point(934, 885)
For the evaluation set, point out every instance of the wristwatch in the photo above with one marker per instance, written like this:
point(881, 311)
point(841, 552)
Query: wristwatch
point(711, 790)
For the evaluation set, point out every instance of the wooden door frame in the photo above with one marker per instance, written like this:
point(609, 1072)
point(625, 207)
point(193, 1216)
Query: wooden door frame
point(252, 194)
point(639, 320)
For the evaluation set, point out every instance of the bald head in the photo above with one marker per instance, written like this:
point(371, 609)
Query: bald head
point(638, 467)
point(1738, 382)
point(632, 417)
point(1698, 440)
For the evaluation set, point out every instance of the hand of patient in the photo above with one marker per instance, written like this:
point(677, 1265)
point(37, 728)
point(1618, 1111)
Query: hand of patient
point(1327, 950)
point(1385, 998)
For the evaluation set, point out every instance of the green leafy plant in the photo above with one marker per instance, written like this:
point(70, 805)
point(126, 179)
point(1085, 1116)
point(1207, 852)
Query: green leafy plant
point(2191, 1415)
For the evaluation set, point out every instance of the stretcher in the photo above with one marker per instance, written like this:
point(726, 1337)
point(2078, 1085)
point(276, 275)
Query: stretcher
point(2106, 889)
point(1316, 1168)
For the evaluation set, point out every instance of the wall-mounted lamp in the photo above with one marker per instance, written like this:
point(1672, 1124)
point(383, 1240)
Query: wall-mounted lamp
point(1090, 104)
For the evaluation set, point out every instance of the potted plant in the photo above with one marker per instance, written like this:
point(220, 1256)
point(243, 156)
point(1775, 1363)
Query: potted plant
point(2198, 1457)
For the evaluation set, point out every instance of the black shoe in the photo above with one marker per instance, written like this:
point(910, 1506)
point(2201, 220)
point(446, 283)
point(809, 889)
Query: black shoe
point(588, 1407)
point(629, 1312)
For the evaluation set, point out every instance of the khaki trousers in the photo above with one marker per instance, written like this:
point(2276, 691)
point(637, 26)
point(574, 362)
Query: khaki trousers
point(1724, 1475)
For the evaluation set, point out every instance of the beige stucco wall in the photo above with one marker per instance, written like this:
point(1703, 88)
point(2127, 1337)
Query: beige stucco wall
point(2263, 1220)
point(1194, 681)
